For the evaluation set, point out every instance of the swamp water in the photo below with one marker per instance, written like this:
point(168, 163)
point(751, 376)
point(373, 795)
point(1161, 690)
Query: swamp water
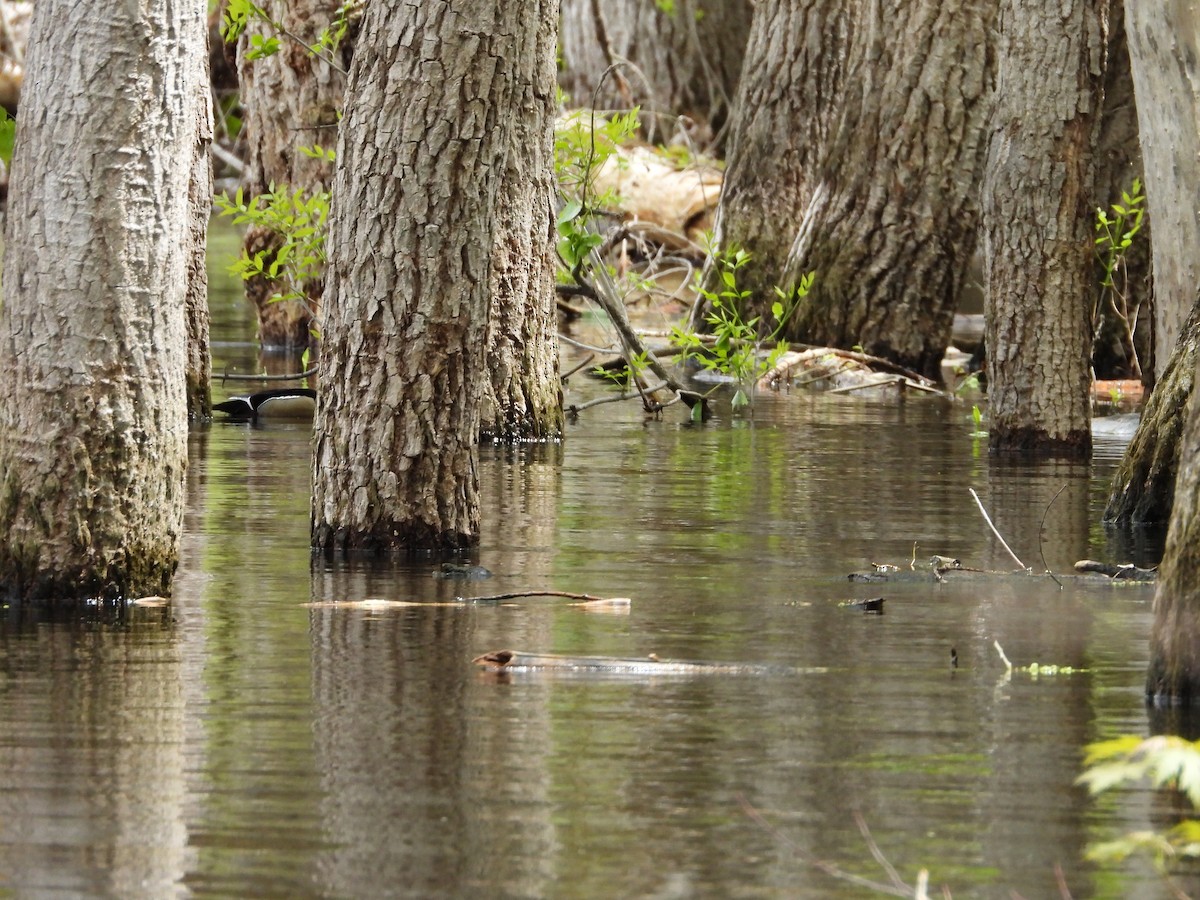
point(256, 741)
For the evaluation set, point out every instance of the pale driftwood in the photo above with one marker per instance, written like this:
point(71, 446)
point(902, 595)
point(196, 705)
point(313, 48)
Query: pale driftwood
point(374, 603)
point(844, 370)
point(680, 202)
point(1125, 572)
point(517, 660)
point(999, 537)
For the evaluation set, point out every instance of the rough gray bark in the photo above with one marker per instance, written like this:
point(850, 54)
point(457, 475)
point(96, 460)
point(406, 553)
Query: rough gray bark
point(1038, 213)
point(407, 294)
point(200, 192)
point(93, 418)
point(1174, 673)
point(1164, 49)
point(682, 62)
point(1144, 486)
point(524, 397)
point(290, 100)
point(855, 154)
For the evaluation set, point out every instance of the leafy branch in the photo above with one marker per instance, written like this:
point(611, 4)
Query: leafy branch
point(239, 13)
point(1117, 228)
point(1166, 761)
point(737, 351)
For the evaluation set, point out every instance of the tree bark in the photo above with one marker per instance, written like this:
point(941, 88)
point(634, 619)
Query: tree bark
point(679, 61)
point(407, 295)
point(93, 420)
point(1121, 350)
point(1144, 486)
point(200, 193)
point(1164, 49)
point(1038, 213)
point(855, 154)
point(524, 396)
point(290, 100)
point(1174, 673)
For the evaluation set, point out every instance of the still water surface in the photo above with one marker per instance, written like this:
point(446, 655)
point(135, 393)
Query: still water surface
point(247, 743)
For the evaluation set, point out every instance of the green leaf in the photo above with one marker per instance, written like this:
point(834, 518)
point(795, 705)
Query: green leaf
point(570, 211)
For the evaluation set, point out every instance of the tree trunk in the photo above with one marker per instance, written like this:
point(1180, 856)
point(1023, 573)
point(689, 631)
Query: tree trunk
point(524, 396)
point(1038, 213)
point(290, 100)
point(855, 154)
point(407, 299)
point(1121, 349)
point(200, 194)
point(93, 418)
point(1164, 50)
point(1174, 673)
point(1144, 485)
point(681, 60)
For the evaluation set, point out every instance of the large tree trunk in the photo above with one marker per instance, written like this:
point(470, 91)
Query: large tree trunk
point(524, 396)
point(1174, 673)
point(1144, 485)
point(682, 60)
point(856, 151)
point(291, 100)
point(1038, 213)
point(407, 298)
point(93, 418)
point(1164, 49)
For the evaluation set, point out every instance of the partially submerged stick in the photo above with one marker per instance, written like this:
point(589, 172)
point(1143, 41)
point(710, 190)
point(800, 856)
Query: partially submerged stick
point(587, 598)
point(999, 537)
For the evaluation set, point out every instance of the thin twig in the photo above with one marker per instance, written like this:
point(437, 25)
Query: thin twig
point(624, 395)
point(1042, 528)
point(493, 598)
point(878, 854)
point(988, 519)
point(827, 867)
point(1007, 665)
point(584, 363)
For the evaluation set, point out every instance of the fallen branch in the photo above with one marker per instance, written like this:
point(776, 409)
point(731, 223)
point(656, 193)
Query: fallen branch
point(1000, 538)
point(603, 292)
point(652, 406)
point(495, 598)
point(586, 361)
point(229, 376)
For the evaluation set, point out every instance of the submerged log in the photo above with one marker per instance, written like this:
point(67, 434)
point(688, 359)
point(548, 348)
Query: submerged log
point(517, 661)
point(1087, 572)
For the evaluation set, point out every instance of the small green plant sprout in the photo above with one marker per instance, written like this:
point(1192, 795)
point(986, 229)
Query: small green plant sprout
point(736, 350)
point(1116, 229)
point(977, 420)
point(1165, 761)
point(635, 366)
point(316, 151)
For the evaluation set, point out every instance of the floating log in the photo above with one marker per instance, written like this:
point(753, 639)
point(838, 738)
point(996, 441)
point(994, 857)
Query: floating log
point(1126, 572)
point(517, 661)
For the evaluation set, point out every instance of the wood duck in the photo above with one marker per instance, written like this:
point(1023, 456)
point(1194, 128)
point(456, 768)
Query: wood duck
point(279, 403)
